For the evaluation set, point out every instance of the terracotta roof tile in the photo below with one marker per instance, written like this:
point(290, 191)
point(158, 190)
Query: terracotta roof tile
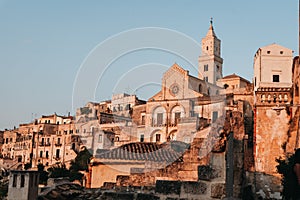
point(143, 151)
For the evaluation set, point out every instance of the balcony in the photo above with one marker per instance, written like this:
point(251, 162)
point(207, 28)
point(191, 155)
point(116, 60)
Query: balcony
point(43, 144)
point(158, 125)
point(58, 144)
point(187, 120)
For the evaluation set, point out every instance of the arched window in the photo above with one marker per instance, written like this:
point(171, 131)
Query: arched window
point(200, 88)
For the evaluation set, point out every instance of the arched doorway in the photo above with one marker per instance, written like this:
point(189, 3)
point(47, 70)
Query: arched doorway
point(172, 136)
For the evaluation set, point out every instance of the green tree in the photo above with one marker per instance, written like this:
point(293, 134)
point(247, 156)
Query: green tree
point(82, 161)
point(27, 166)
point(43, 174)
point(3, 189)
point(79, 164)
point(289, 180)
point(58, 170)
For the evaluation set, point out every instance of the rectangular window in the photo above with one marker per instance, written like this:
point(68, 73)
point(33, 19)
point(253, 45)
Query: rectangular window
point(275, 78)
point(22, 180)
point(157, 137)
point(47, 154)
point(41, 154)
point(57, 153)
point(58, 141)
point(177, 117)
point(205, 68)
point(100, 139)
point(215, 116)
point(159, 118)
point(143, 119)
point(15, 180)
point(206, 79)
point(142, 138)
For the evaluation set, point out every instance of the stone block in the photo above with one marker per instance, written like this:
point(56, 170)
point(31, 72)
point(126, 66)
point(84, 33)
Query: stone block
point(194, 187)
point(113, 195)
point(217, 190)
point(122, 180)
point(142, 196)
point(206, 173)
point(108, 185)
point(168, 187)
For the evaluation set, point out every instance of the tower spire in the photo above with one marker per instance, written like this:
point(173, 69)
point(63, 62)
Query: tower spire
point(210, 61)
point(211, 29)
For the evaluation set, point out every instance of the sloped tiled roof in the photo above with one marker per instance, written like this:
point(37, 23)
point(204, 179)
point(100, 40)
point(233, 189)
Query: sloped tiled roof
point(235, 76)
point(146, 151)
point(231, 76)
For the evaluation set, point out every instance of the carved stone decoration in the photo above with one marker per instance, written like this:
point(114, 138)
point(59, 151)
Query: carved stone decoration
point(278, 109)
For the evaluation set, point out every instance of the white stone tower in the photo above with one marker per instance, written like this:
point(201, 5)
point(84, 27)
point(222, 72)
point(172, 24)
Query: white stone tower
point(210, 61)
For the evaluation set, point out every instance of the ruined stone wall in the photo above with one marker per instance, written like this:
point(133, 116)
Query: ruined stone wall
point(271, 134)
point(271, 138)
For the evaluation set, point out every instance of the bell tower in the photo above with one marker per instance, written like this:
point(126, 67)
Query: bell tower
point(210, 61)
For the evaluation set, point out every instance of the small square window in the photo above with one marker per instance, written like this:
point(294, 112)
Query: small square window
point(268, 52)
point(275, 78)
point(281, 52)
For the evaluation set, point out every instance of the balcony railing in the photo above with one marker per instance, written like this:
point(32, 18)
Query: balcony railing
point(58, 144)
point(187, 120)
point(158, 125)
point(44, 144)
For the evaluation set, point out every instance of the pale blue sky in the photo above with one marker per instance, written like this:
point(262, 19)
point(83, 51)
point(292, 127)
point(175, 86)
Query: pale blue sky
point(44, 43)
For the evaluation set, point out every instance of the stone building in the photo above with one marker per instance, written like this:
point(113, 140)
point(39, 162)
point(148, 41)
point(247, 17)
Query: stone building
point(48, 140)
point(123, 160)
point(101, 125)
point(272, 115)
point(296, 81)
point(233, 83)
point(183, 106)
point(23, 185)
